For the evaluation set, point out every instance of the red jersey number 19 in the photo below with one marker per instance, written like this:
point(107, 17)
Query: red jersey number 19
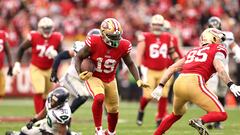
point(107, 67)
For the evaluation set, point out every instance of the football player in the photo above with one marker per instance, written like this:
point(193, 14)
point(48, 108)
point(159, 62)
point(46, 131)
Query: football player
point(53, 119)
point(214, 83)
point(71, 81)
point(4, 48)
point(154, 49)
point(106, 51)
point(45, 45)
point(196, 68)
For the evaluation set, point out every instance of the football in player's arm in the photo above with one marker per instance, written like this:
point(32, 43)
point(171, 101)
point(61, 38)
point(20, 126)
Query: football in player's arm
point(196, 68)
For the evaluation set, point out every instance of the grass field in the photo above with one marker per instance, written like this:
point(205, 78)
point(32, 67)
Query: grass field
point(82, 119)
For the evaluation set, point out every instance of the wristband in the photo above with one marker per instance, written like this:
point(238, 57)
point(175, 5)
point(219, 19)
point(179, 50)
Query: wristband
point(160, 84)
point(229, 84)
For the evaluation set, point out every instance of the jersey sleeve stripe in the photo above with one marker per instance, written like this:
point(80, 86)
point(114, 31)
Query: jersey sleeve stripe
point(88, 42)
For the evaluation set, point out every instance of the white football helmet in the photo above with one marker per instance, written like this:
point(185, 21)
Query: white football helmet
point(156, 24)
point(211, 35)
point(45, 26)
point(111, 31)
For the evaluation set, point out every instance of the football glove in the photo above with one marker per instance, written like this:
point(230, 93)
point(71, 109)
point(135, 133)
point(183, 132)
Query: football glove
point(141, 84)
point(16, 68)
point(235, 90)
point(10, 71)
point(31, 123)
point(54, 77)
point(236, 57)
point(85, 75)
point(157, 92)
point(51, 52)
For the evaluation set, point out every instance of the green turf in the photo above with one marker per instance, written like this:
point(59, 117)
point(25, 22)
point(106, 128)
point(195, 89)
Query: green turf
point(82, 119)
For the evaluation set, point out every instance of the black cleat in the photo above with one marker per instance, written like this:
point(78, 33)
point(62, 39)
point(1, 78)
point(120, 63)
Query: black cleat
point(140, 118)
point(197, 124)
point(158, 122)
point(209, 126)
point(217, 125)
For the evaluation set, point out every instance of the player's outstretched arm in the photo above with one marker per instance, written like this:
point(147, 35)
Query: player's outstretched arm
point(157, 92)
point(219, 66)
point(236, 50)
point(36, 118)
point(134, 71)
point(61, 56)
point(9, 58)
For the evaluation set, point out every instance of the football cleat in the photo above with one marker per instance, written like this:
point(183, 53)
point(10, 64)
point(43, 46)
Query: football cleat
point(217, 125)
point(158, 122)
point(106, 132)
point(140, 118)
point(197, 124)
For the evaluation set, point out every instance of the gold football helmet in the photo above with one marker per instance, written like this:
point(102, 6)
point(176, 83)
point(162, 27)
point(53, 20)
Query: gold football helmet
point(166, 25)
point(156, 24)
point(211, 35)
point(111, 31)
point(45, 26)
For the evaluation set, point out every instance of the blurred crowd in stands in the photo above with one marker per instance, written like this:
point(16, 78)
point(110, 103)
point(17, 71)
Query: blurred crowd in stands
point(75, 17)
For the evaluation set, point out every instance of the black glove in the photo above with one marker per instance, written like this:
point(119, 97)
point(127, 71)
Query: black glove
point(54, 77)
point(31, 122)
point(10, 71)
point(139, 70)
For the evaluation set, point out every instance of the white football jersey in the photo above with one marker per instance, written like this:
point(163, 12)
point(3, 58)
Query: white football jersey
point(56, 115)
point(229, 40)
point(76, 47)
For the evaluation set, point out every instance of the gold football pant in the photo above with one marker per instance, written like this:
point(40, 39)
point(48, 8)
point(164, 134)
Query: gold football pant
point(191, 87)
point(2, 83)
point(110, 90)
point(153, 77)
point(40, 80)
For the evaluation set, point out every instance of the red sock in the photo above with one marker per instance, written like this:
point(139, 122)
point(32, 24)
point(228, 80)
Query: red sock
point(112, 121)
point(97, 109)
point(143, 103)
point(214, 117)
point(167, 123)
point(162, 107)
point(39, 102)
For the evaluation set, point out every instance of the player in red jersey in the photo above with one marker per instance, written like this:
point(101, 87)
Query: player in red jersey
point(154, 49)
point(106, 51)
point(4, 48)
point(45, 44)
point(196, 68)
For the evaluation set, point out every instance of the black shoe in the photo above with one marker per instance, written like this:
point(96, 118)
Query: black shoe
point(197, 124)
point(158, 122)
point(217, 125)
point(140, 118)
point(209, 126)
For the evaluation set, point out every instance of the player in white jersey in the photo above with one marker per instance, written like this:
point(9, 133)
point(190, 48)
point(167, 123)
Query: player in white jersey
point(71, 80)
point(53, 119)
point(214, 83)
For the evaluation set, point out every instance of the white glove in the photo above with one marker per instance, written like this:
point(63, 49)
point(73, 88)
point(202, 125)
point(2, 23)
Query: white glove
point(235, 90)
point(16, 68)
point(157, 92)
point(51, 52)
point(236, 57)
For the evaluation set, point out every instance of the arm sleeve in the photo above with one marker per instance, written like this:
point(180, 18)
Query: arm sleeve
point(61, 56)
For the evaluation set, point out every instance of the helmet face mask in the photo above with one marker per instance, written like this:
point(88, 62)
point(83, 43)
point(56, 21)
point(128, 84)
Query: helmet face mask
point(156, 24)
point(111, 32)
point(58, 97)
point(45, 27)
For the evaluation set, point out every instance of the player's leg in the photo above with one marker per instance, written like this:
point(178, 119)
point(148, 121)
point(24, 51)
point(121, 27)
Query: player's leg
point(38, 84)
point(96, 89)
point(112, 105)
point(146, 97)
point(208, 101)
point(77, 89)
point(2, 84)
point(179, 107)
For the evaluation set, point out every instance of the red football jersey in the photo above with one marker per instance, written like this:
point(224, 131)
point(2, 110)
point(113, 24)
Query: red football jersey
point(40, 46)
point(3, 39)
point(156, 51)
point(106, 58)
point(200, 60)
